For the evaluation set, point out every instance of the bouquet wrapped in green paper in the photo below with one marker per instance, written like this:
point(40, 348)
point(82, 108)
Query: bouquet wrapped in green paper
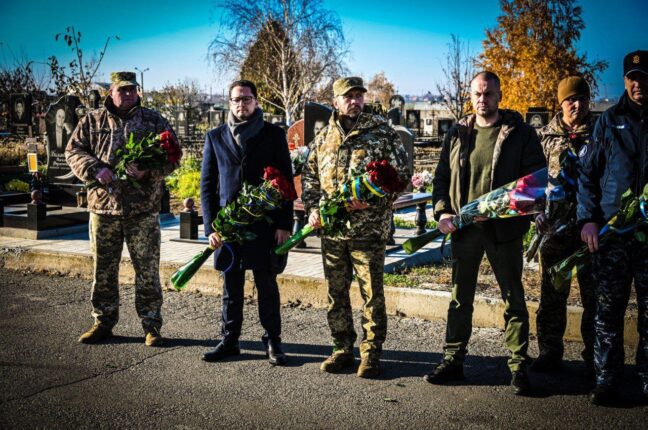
point(253, 204)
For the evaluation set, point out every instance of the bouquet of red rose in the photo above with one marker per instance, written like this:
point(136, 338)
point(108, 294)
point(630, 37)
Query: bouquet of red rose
point(524, 196)
point(253, 204)
point(379, 179)
point(150, 153)
point(633, 212)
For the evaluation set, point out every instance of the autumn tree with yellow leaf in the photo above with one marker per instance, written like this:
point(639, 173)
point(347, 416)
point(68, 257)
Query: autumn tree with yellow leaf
point(533, 48)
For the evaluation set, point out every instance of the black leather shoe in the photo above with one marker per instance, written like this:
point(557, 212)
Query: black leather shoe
point(520, 383)
point(447, 371)
point(221, 351)
point(275, 353)
point(546, 363)
point(602, 394)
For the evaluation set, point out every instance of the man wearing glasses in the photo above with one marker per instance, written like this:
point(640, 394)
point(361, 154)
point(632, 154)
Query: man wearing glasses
point(347, 144)
point(235, 153)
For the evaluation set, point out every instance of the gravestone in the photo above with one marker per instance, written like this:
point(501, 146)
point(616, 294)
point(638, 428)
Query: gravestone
point(296, 135)
point(407, 137)
point(94, 99)
point(394, 116)
point(60, 121)
point(443, 126)
point(413, 121)
point(316, 117)
point(397, 102)
point(216, 117)
point(537, 117)
point(20, 113)
point(4, 115)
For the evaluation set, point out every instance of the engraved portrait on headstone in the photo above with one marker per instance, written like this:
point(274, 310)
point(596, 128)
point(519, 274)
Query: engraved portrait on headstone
point(20, 112)
point(413, 120)
point(316, 116)
point(94, 99)
point(60, 121)
point(443, 126)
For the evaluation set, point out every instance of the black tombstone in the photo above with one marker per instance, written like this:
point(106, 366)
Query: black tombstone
point(60, 121)
point(20, 113)
point(316, 117)
point(537, 117)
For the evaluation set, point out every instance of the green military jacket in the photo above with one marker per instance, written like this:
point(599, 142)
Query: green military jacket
point(92, 146)
point(335, 156)
point(517, 153)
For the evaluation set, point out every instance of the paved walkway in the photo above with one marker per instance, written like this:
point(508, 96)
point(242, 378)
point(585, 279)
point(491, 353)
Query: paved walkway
point(306, 263)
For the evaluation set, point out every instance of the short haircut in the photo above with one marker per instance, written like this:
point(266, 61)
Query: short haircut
point(489, 76)
point(244, 83)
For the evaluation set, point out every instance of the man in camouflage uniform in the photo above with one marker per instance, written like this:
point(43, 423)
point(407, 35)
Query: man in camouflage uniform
point(617, 160)
point(118, 210)
point(346, 145)
point(482, 152)
point(561, 140)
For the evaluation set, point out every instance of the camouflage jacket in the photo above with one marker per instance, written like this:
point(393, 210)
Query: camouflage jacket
point(92, 146)
point(555, 139)
point(335, 156)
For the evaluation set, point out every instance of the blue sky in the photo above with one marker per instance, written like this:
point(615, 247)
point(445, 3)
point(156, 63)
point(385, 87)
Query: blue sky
point(406, 39)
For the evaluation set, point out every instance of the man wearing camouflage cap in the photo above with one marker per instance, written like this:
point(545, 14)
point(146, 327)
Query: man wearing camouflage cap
point(617, 160)
point(348, 143)
point(562, 139)
point(118, 210)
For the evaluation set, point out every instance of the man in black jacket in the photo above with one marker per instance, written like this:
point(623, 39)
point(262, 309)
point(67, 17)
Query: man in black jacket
point(615, 161)
point(482, 152)
point(234, 153)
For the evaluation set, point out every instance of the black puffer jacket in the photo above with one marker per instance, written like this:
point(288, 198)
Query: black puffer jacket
point(615, 161)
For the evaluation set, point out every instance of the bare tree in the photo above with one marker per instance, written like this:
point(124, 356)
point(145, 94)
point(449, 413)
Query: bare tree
point(458, 70)
point(292, 47)
point(77, 77)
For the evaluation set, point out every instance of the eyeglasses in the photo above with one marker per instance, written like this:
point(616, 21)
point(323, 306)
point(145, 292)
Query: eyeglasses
point(245, 100)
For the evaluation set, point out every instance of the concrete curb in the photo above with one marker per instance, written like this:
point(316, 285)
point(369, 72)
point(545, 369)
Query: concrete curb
point(410, 302)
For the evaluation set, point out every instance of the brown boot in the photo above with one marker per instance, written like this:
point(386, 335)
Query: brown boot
point(337, 361)
point(97, 333)
point(369, 367)
point(153, 337)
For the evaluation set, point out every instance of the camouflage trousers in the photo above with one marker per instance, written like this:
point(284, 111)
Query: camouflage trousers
point(552, 313)
point(468, 248)
point(617, 263)
point(142, 235)
point(367, 259)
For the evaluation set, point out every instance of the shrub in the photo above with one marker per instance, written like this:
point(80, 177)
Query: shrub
point(17, 185)
point(184, 182)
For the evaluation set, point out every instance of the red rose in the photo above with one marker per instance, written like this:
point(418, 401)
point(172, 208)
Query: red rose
point(383, 174)
point(280, 183)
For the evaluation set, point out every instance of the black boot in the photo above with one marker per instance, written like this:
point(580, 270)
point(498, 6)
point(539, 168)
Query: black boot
point(520, 383)
point(221, 351)
point(275, 353)
point(602, 394)
point(447, 371)
point(546, 363)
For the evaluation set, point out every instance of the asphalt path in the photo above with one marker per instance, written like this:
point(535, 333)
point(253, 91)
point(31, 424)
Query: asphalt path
point(48, 380)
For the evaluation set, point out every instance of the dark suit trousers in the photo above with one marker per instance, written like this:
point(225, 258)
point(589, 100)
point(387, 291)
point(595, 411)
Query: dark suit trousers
point(268, 301)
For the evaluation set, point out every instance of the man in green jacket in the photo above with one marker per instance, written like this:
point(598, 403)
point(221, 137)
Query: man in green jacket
point(482, 152)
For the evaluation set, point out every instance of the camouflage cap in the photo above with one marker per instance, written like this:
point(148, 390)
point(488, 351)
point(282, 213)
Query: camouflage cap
point(344, 85)
point(122, 79)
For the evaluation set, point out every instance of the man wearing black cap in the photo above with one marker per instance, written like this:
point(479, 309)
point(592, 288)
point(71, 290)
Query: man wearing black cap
point(615, 161)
